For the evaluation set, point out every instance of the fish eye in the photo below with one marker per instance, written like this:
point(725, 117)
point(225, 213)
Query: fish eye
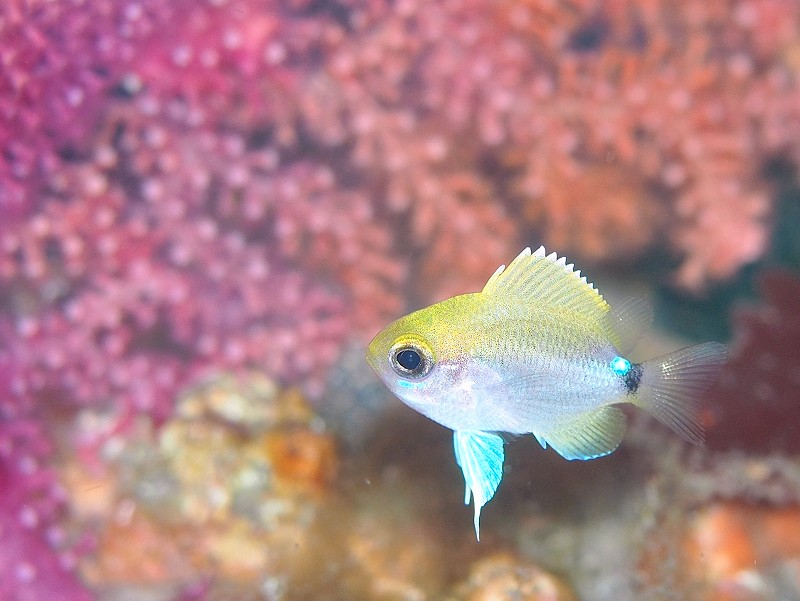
point(410, 358)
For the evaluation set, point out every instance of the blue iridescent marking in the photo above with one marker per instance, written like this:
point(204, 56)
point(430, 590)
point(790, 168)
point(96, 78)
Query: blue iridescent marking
point(620, 366)
point(480, 457)
point(407, 384)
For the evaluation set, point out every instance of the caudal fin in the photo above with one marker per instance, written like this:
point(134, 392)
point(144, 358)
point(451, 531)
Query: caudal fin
point(671, 386)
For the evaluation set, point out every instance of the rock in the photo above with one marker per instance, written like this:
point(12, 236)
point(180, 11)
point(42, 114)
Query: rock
point(738, 552)
point(502, 576)
point(220, 494)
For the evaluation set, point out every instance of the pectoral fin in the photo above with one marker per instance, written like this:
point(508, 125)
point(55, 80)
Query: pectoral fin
point(480, 457)
point(588, 435)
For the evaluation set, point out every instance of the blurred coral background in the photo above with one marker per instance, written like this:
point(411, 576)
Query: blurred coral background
point(208, 207)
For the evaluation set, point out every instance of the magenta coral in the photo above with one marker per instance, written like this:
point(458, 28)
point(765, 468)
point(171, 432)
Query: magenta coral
point(35, 561)
point(754, 404)
point(59, 60)
point(62, 61)
point(29, 557)
point(137, 308)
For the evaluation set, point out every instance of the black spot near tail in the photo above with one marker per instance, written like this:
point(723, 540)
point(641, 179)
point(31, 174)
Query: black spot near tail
point(633, 378)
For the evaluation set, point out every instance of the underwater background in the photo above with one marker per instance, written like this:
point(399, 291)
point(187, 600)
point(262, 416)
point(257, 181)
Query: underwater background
point(208, 207)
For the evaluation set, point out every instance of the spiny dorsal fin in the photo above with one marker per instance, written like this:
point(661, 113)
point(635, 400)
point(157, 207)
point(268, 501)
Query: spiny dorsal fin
point(549, 282)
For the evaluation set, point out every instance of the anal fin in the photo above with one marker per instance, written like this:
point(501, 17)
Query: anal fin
point(480, 456)
point(588, 435)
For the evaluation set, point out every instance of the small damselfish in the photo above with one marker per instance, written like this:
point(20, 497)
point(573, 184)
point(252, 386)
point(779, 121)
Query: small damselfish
point(537, 351)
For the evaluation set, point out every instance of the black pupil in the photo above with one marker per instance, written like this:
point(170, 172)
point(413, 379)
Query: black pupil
point(409, 359)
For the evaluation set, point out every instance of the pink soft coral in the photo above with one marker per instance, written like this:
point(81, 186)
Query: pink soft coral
point(35, 561)
point(194, 186)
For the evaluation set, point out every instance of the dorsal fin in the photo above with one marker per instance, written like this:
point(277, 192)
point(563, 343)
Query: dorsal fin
point(629, 320)
point(549, 282)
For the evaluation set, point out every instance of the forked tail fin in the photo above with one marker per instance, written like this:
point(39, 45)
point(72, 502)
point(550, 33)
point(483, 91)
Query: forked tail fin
point(671, 386)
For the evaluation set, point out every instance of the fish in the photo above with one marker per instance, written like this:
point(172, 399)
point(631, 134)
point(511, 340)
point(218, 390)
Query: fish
point(537, 351)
